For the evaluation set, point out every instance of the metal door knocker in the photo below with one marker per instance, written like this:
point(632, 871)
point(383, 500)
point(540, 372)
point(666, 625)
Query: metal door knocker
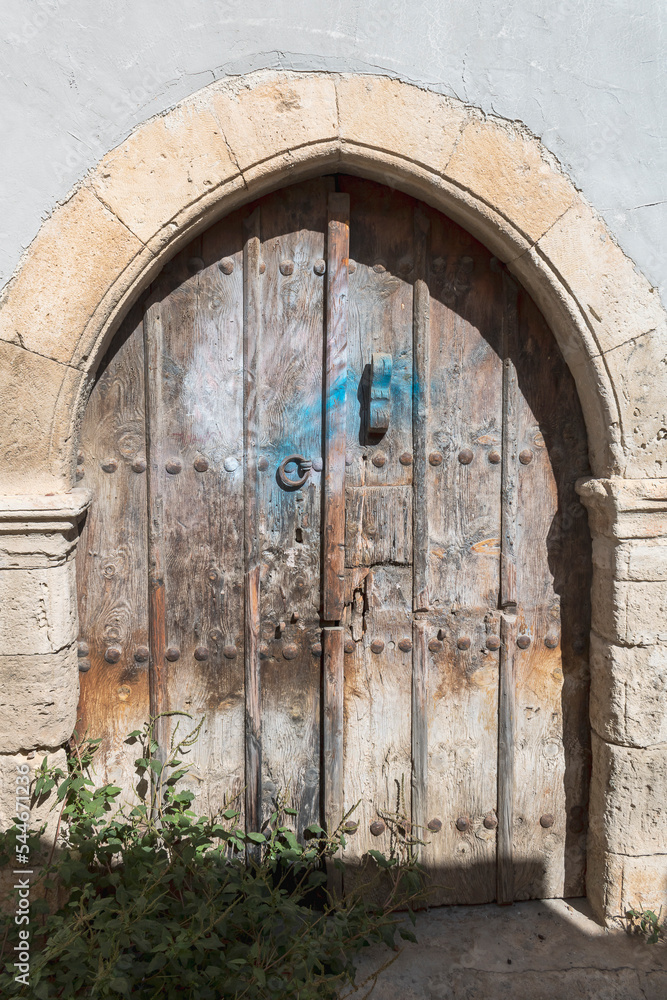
point(304, 466)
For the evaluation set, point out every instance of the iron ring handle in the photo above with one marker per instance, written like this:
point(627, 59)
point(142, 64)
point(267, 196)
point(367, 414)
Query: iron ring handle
point(305, 466)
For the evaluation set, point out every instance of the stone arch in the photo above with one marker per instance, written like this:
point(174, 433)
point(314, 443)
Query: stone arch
point(235, 140)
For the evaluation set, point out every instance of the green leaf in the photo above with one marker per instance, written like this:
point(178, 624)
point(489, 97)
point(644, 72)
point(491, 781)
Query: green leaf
point(256, 838)
point(407, 935)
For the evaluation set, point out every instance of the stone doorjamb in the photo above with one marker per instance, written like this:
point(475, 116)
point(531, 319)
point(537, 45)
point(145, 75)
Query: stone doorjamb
point(234, 141)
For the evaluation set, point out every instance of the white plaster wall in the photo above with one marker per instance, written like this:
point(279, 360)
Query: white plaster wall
point(589, 77)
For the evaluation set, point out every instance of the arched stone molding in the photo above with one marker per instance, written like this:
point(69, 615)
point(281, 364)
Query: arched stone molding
point(234, 141)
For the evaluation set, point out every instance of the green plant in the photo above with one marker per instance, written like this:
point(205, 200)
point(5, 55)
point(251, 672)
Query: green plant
point(647, 923)
point(154, 901)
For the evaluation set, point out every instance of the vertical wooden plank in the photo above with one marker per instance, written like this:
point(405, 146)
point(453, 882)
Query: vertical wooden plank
point(508, 601)
point(252, 318)
point(111, 558)
point(420, 412)
point(333, 640)
point(419, 729)
point(335, 382)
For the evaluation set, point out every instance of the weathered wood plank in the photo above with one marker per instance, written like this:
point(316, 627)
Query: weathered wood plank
point(419, 730)
point(421, 380)
point(335, 384)
point(111, 558)
point(333, 639)
point(506, 760)
point(378, 525)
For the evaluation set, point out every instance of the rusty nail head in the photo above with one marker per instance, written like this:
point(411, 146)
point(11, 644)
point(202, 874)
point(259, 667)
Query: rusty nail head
point(84, 666)
point(348, 459)
point(379, 459)
point(262, 267)
point(290, 651)
point(173, 654)
point(435, 645)
point(113, 654)
point(229, 652)
point(493, 642)
point(551, 640)
point(435, 458)
point(141, 654)
point(490, 821)
point(200, 464)
point(316, 649)
point(82, 649)
point(226, 265)
point(494, 457)
point(195, 264)
point(349, 646)
point(465, 456)
point(215, 635)
point(173, 467)
point(576, 824)
point(79, 458)
point(264, 652)
point(523, 642)
point(286, 267)
point(377, 645)
point(319, 267)
point(406, 458)
point(377, 827)
point(110, 466)
point(139, 465)
point(262, 465)
point(462, 824)
point(434, 825)
point(201, 653)
point(546, 821)
point(463, 642)
point(526, 456)
point(405, 645)
point(231, 464)
point(80, 472)
point(379, 267)
point(351, 266)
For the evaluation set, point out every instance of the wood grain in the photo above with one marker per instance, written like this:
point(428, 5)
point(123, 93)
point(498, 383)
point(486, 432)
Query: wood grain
point(421, 405)
point(419, 730)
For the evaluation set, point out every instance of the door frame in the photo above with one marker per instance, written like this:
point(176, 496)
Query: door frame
point(230, 143)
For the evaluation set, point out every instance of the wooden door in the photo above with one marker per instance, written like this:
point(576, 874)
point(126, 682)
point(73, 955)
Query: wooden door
point(333, 455)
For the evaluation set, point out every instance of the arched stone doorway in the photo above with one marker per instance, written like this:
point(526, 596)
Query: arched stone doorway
point(233, 141)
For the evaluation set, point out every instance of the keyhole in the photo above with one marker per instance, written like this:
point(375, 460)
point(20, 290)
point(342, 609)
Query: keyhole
point(298, 534)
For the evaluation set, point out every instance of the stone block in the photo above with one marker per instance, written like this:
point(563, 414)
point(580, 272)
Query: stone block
point(80, 253)
point(38, 699)
point(508, 169)
point(39, 613)
point(167, 165)
point(628, 798)
point(616, 883)
point(629, 612)
point(629, 693)
point(376, 113)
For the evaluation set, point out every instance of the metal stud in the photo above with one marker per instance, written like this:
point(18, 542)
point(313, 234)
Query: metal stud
point(435, 458)
point(494, 457)
point(463, 642)
point(286, 267)
point(377, 828)
point(493, 642)
point(262, 465)
point(173, 467)
point(377, 645)
point(462, 824)
point(80, 472)
point(406, 458)
point(523, 642)
point(551, 640)
point(200, 464)
point(405, 645)
point(113, 654)
point(316, 649)
point(231, 464)
point(262, 267)
point(141, 654)
point(201, 653)
point(379, 459)
point(349, 646)
point(226, 265)
point(195, 264)
point(264, 652)
point(435, 645)
point(351, 266)
point(215, 635)
point(84, 666)
point(350, 827)
point(173, 654)
point(490, 821)
point(139, 465)
point(290, 651)
point(319, 267)
point(379, 267)
point(349, 459)
point(526, 456)
point(465, 456)
point(229, 652)
point(434, 825)
point(318, 464)
point(546, 821)
point(110, 466)
point(79, 458)
point(82, 649)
